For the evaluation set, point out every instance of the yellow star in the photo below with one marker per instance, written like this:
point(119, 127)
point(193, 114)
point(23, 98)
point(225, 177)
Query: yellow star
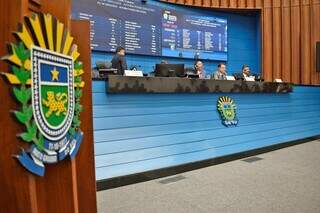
point(55, 74)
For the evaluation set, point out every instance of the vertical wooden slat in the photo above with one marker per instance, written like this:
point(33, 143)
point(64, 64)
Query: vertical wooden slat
point(189, 2)
point(179, 1)
point(295, 41)
point(60, 189)
point(258, 3)
point(15, 184)
point(286, 41)
point(250, 3)
point(206, 3)
point(267, 44)
point(233, 3)
point(312, 49)
point(305, 43)
point(242, 3)
point(215, 3)
point(267, 3)
point(197, 2)
point(224, 3)
point(315, 36)
point(276, 34)
point(84, 160)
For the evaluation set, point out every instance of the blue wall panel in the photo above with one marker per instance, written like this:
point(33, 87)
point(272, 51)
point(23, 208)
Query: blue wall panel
point(243, 43)
point(140, 132)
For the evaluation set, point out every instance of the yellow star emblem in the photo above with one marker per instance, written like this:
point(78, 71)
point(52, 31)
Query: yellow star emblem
point(55, 74)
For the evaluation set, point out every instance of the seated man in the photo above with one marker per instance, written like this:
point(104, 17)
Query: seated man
point(246, 71)
point(119, 61)
point(199, 69)
point(164, 62)
point(221, 73)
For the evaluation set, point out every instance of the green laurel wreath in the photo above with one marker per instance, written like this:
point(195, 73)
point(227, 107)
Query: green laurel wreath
point(23, 95)
point(223, 114)
point(78, 94)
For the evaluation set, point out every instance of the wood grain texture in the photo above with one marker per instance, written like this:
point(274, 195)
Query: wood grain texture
point(290, 29)
point(276, 44)
point(286, 44)
point(305, 43)
point(15, 184)
point(68, 186)
point(267, 64)
point(315, 36)
point(295, 44)
point(85, 168)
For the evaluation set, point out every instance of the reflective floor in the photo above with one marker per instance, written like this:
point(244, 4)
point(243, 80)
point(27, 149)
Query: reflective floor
point(286, 180)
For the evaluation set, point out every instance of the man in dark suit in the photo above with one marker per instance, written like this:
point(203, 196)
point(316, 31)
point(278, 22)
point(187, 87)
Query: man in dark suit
point(199, 69)
point(119, 61)
point(221, 73)
point(246, 71)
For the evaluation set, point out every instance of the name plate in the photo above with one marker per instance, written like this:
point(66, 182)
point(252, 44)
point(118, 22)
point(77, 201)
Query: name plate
point(230, 78)
point(250, 78)
point(135, 73)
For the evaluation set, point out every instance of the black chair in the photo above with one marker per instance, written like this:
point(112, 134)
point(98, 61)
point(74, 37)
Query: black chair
point(190, 72)
point(238, 76)
point(105, 68)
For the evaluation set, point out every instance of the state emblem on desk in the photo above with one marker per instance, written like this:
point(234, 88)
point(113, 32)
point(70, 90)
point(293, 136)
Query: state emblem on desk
point(47, 84)
point(227, 110)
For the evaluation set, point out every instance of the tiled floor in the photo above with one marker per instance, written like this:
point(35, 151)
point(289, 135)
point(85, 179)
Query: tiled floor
point(286, 180)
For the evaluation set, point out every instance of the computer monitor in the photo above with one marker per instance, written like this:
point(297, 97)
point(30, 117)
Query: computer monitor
point(169, 70)
point(103, 65)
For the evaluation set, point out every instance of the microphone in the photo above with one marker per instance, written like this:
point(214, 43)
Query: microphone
point(135, 67)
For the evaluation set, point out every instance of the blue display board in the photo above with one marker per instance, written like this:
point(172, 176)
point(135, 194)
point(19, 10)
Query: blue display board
point(146, 29)
point(193, 36)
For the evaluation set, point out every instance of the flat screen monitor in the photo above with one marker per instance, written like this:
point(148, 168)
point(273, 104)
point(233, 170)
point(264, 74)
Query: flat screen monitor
point(169, 70)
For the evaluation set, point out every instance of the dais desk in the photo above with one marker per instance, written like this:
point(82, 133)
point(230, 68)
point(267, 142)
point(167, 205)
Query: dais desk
point(127, 84)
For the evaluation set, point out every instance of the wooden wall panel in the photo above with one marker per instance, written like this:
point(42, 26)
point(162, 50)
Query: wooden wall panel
point(197, 2)
point(242, 4)
point(190, 2)
point(206, 3)
point(258, 3)
point(286, 42)
point(233, 3)
point(224, 3)
point(267, 3)
point(267, 44)
point(85, 159)
point(250, 3)
point(305, 43)
point(67, 183)
point(215, 3)
point(315, 36)
point(295, 43)
point(276, 44)
point(13, 197)
point(290, 29)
